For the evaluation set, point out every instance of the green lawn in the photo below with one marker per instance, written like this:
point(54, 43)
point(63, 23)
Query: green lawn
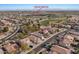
point(59, 20)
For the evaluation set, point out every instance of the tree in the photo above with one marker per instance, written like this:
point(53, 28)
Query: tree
point(25, 47)
point(5, 29)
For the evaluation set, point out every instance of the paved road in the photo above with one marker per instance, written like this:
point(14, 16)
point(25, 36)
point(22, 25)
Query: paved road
point(74, 32)
point(38, 47)
point(10, 35)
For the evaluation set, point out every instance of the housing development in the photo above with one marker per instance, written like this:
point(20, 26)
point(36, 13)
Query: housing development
point(39, 32)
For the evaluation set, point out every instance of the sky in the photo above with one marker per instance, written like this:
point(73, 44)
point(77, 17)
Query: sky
point(31, 6)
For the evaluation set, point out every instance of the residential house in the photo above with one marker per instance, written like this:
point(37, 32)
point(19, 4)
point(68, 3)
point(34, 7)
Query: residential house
point(10, 47)
point(31, 40)
point(37, 34)
point(1, 51)
point(34, 39)
point(67, 40)
point(60, 50)
point(43, 30)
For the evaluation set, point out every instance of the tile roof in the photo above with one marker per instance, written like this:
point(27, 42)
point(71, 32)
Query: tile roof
point(11, 48)
point(60, 50)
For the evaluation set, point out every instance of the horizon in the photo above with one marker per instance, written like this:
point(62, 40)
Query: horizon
point(30, 7)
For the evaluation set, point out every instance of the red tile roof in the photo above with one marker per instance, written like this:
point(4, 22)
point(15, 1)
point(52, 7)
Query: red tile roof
point(60, 50)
